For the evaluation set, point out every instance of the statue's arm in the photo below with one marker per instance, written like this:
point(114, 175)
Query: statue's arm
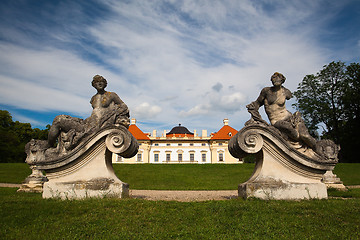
point(288, 93)
point(253, 107)
point(120, 103)
point(92, 100)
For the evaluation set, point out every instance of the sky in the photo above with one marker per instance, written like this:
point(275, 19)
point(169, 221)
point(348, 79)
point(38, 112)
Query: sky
point(171, 61)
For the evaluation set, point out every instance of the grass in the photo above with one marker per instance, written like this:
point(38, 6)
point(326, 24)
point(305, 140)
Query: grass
point(13, 172)
point(181, 176)
point(350, 193)
point(184, 176)
point(28, 216)
point(349, 173)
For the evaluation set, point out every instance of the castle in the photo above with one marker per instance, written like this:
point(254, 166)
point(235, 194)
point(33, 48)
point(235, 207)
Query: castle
point(181, 146)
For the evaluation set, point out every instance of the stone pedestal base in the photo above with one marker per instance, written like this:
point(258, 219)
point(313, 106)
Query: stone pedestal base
point(91, 175)
point(34, 182)
point(35, 187)
point(94, 188)
point(332, 181)
point(87, 171)
point(282, 190)
point(281, 171)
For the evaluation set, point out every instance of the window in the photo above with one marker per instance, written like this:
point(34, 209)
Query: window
point(168, 144)
point(180, 157)
point(230, 134)
point(180, 144)
point(191, 157)
point(168, 158)
point(156, 157)
point(139, 156)
point(220, 144)
point(203, 144)
point(156, 144)
point(203, 157)
point(119, 159)
point(191, 144)
point(221, 157)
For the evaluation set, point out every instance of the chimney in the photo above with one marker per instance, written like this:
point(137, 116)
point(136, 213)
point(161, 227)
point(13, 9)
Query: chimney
point(164, 133)
point(195, 133)
point(154, 133)
point(133, 121)
point(204, 133)
point(226, 121)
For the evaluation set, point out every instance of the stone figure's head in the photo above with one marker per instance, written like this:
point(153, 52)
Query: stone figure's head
point(277, 77)
point(35, 151)
point(98, 78)
point(328, 149)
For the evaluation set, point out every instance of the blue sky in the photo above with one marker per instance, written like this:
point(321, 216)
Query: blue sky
point(189, 62)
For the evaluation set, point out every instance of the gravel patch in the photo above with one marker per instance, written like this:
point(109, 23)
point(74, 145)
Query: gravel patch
point(183, 196)
point(10, 185)
point(180, 196)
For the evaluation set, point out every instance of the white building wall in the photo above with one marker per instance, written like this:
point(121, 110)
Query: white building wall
point(162, 149)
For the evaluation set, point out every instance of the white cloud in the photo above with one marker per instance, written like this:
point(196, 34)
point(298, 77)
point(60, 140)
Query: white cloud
point(162, 57)
point(34, 96)
point(217, 103)
point(146, 111)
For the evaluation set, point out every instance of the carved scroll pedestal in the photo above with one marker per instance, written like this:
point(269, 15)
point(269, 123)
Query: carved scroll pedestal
point(87, 170)
point(281, 171)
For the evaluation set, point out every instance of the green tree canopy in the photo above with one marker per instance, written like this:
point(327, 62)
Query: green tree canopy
point(14, 136)
point(330, 100)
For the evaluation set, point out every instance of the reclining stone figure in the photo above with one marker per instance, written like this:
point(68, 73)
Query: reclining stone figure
point(292, 126)
point(77, 155)
point(290, 163)
point(108, 109)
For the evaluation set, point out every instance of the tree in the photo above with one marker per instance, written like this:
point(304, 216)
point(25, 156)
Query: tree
point(351, 103)
point(330, 100)
point(14, 136)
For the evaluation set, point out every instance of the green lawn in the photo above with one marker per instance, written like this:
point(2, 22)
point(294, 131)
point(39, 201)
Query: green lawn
point(184, 176)
point(181, 176)
point(28, 216)
point(13, 172)
point(349, 173)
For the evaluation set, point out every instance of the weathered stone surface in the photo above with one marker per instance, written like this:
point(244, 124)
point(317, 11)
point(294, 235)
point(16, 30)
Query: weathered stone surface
point(332, 181)
point(281, 171)
point(80, 164)
point(289, 162)
point(35, 152)
point(88, 171)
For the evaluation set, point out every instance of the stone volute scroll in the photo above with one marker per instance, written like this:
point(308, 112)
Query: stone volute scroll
point(76, 158)
point(290, 163)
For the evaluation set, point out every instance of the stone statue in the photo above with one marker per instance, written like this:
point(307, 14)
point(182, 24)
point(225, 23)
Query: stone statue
point(290, 163)
point(77, 155)
point(292, 126)
point(273, 98)
point(108, 109)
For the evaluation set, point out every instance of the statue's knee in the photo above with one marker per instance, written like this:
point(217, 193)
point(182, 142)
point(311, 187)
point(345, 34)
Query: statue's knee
point(58, 119)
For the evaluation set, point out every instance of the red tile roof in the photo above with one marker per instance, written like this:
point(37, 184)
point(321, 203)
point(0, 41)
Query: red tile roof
point(226, 132)
point(137, 133)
